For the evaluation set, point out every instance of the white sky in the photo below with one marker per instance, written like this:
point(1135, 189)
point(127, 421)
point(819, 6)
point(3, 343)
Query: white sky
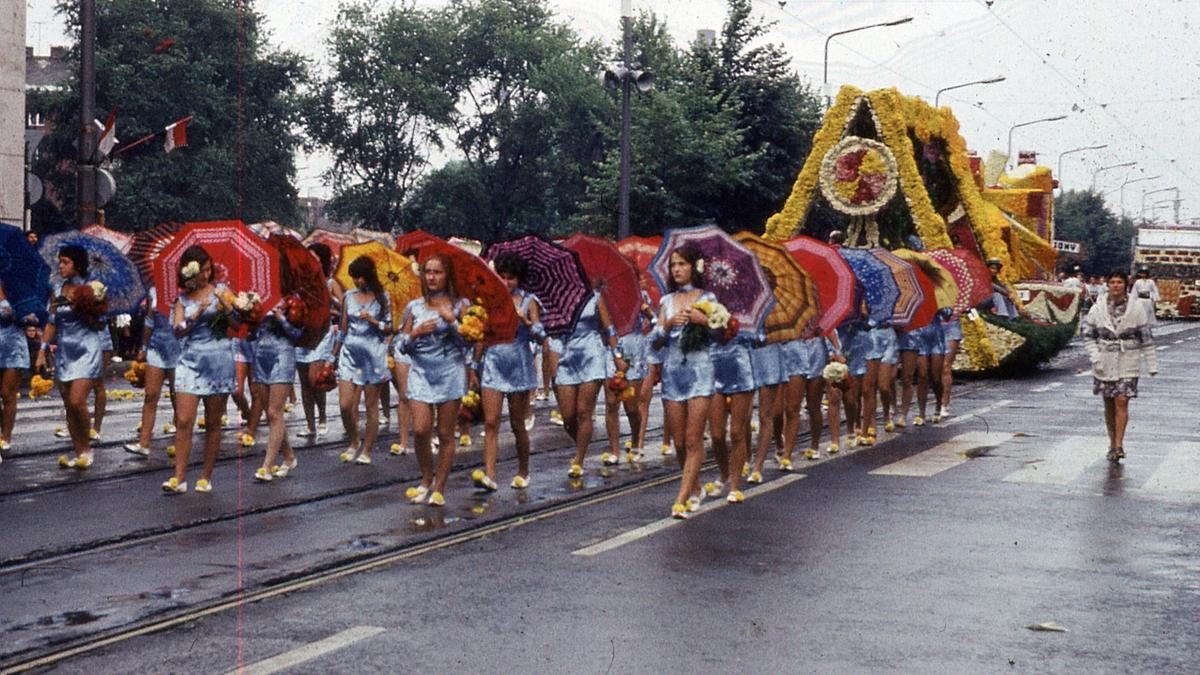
point(1124, 71)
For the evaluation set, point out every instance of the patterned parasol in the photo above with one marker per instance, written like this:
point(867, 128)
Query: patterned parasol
point(106, 264)
point(945, 289)
point(301, 276)
point(836, 285)
point(121, 240)
point(731, 272)
point(878, 284)
point(555, 276)
point(148, 244)
point(395, 273)
point(641, 251)
point(796, 309)
point(973, 279)
point(270, 227)
point(475, 281)
point(614, 275)
point(364, 235)
point(242, 260)
point(916, 305)
point(24, 274)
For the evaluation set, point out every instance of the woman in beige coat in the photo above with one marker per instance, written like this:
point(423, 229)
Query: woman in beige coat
point(1117, 336)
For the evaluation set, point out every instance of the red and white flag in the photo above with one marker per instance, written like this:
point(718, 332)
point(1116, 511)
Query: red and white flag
point(108, 134)
point(176, 134)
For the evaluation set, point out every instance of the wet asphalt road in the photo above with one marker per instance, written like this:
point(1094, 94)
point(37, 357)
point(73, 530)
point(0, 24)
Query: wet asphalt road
point(931, 552)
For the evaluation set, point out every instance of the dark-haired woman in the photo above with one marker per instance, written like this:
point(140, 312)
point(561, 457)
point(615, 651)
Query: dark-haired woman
point(160, 353)
point(78, 361)
point(310, 361)
point(274, 340)
point(437, 377)
point(14, 358)
point(1117, 336)
point(360, 349)
point(507, 371)
point(582, 367)
point(201, 317)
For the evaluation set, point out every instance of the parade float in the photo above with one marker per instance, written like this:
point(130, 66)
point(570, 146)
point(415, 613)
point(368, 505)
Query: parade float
point(892, 171)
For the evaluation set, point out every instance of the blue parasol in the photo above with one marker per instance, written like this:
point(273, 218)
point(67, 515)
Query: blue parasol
point(106, 264)
point(24, 274)
point(877, 282)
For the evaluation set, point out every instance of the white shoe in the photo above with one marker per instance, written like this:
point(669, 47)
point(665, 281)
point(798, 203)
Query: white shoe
point(322, 429)
point(284, 469)
point(137, 449)
point(168, 428)
point(529, 423)
point(306, 433)
point(61, 432)
point(5, 445)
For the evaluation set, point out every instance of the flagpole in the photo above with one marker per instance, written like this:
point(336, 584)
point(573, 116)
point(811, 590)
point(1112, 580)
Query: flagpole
point(85, 186)
point(136, 143)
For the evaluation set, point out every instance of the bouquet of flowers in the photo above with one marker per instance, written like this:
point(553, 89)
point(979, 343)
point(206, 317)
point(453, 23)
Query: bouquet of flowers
point(325, 379)
point(89, 301)
point(40, 386)
point(474, 322)
point(696, 337)
point(618, 386)
point(136, 374)
point(249, 305)
point(471, 408)
point(835, 373)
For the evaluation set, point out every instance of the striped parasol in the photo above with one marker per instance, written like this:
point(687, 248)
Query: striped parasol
point(555, 275)
point(945, 289)
point(836, 285)
point(916, 305)
point(796, 306)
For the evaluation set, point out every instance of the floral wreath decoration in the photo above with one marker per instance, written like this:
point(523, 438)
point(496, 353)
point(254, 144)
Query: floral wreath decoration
point(859, 176)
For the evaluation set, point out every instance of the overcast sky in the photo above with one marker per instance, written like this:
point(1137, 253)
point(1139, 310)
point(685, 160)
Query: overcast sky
point(1125, 72)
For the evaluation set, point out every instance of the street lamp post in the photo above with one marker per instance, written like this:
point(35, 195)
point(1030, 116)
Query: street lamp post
point(1056, 118)
point(628, 75)
point(1130, 182)
point(1102, 169)
point(1142, 212)
point(992, 80)
point(825, 74)
point(1071, 152)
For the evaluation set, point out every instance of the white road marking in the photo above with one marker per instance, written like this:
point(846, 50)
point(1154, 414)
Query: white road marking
point(943, 456)
point(310, 651)
point(1085, 373)
point(1045, 388)
point(1177, 342)
point(963, 417)
point(1179, 472)
point(660, 525)
point(1064, 463)
point(1161, 348)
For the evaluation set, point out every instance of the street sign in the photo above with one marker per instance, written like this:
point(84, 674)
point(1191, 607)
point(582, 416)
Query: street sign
point(1066, 246)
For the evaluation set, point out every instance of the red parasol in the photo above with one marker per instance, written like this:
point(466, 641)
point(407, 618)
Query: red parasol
point(474, 280)
point(121, 240)
point(242, 260)
point(300, 277)
point(973, 278)
point(148, 244)
point(613, 274)
point(410, 243)
point(641, 251)
point(831, 274)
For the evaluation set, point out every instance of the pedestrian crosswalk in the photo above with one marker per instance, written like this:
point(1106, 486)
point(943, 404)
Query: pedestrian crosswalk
point(943, 456)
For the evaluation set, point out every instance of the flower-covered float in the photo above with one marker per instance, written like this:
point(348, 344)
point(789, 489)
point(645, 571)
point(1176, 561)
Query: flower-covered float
point(893, 171)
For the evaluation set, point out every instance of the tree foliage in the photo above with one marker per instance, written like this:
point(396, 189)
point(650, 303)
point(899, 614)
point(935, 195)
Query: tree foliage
point(1083, 217)
point(157, 62)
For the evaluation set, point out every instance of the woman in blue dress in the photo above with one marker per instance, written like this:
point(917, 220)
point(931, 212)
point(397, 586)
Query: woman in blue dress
point(579, 374)
point(951, 337)
point(201, 317)
point(733, 389)
point(160, 353)
point(687, 376)
point(633, 349)
point(309, 362)
point(360, 350)
point(437, 377)
point(507, 372)
point(274, 340)
point(14, 358)
point(770, 376)
point(78, 357)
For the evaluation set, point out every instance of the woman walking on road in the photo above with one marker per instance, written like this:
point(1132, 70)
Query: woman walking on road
point(14, 358)
point(160, 353)
point(1118, 339)
point(274, 340)
point(582, 368)
point(309, 362)
point(360, 349)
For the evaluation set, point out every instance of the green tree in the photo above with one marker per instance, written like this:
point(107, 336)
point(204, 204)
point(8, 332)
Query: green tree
point(381, 109)
point(157, 62)
point(1082, 216)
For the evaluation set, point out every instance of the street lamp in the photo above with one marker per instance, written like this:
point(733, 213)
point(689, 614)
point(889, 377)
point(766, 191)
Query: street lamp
point(992, 80)
point(1071, 152)
point(825, 75)
point(1142, 213)
point(627, 76)
point(1102, 169)
point(1129, 182)
point(1056, 118)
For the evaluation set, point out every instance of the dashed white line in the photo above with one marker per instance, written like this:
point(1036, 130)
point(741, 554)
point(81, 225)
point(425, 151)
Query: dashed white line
point(310, 651)
point(943, 456)
point(1047, 387)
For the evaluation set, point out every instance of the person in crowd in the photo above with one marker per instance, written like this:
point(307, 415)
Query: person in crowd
point(160, 353)
point(437, 378)
point(507, 372)
point(951, 339)
point(1145, 290)
point(1118, 337)
point(729, 411)
point(310, 361)
point(274, 350)
point(1001, 303)
point(202, 317)
point(633, 349)
point(922, 351)
point(360, 349)
point(14, 360)
point(771, 375)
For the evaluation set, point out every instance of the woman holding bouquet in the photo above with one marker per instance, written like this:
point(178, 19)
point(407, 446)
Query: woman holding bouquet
point(14, 358)
point(437, 376)
point(201, 317)
point(76, 323)
point(274, 348)
point(687, 369)
point(160, 353)
point(309, 362)
point(360, 348)
point(507, 372)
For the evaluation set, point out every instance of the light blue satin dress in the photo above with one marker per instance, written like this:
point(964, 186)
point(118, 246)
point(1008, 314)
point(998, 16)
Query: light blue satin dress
point(636, 346)
point(162, 350)
point(684, 376)
point(324, 349)
point(14, 349)
point(363, 359)
point(805, 358)
point(275, 351)
point(584, 356)
point(509, 368)
point(766, 360)
point(79, 347)
point(205, 365)
point(438, 372)
point(733, 370)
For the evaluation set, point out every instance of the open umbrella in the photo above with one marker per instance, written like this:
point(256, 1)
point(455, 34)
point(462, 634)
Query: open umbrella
point(106, 264)
point(395, 273)
point(613, 274)
point(945, 289)
point(242, 260)
point(555, 276)
point(410, 242)
point(973, 279)
point(474, 280)
point(731, 272)
point(25, 275)
point(334, 240)
point(300, 276)
point(796, 307)
point(148, 244)
point(364, 235)
point(121, 240)
point(878, 284)
point(916, 304)
point(836, 285)
point(641, 251)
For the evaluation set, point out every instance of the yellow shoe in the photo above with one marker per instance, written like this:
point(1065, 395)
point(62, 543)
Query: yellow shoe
point(93, 435)
point(713, 488)
point(416, 495)
point(833, 449)
point(203, 485)
point(201, 422)
point(811, 453)
point(785, 464)
point(519, 482)
point(865, 441)
point(247, 441)
point(635, 455)
point(755, 477)
point(576, 471)
point(84, 461)
point(889, 426)
point(482, 481)
point(679, 512)
point(464, 440)
point(745, 470)
point(287, 407)
point(918, 421)
point(66, 462)
point(609, 459)
point(168, 428)
point(346, 456)
point(170, 451)
point(901, 423)
point(436, 499)
point(735, 497)
point(666, 450)
point(224, 423)
point(174, 486)
point(263, 475)
point(398, 449)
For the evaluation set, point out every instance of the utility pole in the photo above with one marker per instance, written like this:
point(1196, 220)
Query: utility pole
point(85, 165)
point(628, 75)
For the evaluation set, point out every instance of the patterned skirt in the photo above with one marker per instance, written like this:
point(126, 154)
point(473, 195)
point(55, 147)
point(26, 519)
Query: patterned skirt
point(1126, 386)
